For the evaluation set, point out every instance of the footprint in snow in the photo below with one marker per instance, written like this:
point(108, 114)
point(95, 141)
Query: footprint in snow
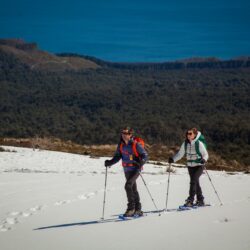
point(11, 221)
point(90, 194)
point(26, 214)
point(59, 203)
point(82, 197)
point(3, 228)
point(36, 208)
point(15, 213)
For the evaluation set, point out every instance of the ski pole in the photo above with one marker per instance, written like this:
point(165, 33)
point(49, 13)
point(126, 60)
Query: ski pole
point(213, 185)
point(149, 192)
point(169, 170)
point(104, 198)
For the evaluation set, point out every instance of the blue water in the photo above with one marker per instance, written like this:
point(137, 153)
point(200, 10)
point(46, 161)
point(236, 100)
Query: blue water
point(131, 30)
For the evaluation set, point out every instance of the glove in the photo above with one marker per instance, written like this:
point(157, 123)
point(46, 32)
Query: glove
point(170, 160)
point(108, 163)
point(137, 164)
point(202, 161)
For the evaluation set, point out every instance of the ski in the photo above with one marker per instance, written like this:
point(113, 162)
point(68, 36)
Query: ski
point(185, 208)
point(122, 217)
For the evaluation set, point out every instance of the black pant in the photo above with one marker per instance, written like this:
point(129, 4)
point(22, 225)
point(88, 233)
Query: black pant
point(195, 189)
point(131, 190)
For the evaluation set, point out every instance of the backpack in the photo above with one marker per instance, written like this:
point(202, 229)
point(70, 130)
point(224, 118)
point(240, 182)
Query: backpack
point(201, 139)
point(136, 140)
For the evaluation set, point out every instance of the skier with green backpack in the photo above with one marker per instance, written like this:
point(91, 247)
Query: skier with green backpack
point(195, 150)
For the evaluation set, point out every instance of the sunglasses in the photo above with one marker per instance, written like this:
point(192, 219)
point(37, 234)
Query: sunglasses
point(126, 133)
point(190, 133)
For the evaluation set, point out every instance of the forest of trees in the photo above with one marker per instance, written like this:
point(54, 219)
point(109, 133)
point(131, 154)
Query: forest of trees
point(160, 102)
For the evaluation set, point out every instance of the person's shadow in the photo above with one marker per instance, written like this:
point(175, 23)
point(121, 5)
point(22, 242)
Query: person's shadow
point(84, 223)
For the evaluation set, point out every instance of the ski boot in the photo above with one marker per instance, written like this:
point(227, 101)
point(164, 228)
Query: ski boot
point(129, 213)
point(138, 212)
point(188, 203)
point(199, 203)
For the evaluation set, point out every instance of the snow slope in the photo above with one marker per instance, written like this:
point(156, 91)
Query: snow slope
point(53, 200)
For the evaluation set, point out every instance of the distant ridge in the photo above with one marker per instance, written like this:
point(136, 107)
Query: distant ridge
point(36, 59)
point(190, 63)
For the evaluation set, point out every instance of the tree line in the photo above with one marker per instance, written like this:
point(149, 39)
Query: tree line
point(91, 106)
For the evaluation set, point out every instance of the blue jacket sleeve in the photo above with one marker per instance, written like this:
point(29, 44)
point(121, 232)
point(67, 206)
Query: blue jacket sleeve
point(117, 156)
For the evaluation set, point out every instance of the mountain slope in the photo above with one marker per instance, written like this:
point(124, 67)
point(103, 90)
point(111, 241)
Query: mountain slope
point(29, 54)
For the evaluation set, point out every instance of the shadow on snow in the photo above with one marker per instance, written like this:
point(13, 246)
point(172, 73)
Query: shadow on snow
point(80, 223)
point(85, 223)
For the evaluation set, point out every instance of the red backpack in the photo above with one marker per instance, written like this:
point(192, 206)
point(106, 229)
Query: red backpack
point(136, 140)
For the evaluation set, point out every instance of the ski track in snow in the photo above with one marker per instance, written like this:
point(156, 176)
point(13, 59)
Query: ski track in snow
point(16, 217)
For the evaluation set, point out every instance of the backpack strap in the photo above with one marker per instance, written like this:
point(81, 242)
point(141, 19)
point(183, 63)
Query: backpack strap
point(202, 139)
point(197, 148)
point(133, 148)
point(121, 146)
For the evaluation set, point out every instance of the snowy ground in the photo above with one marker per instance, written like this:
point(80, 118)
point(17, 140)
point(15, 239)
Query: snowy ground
point(51, 200)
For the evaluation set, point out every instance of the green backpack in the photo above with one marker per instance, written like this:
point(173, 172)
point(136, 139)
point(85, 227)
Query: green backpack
point(201, 139)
